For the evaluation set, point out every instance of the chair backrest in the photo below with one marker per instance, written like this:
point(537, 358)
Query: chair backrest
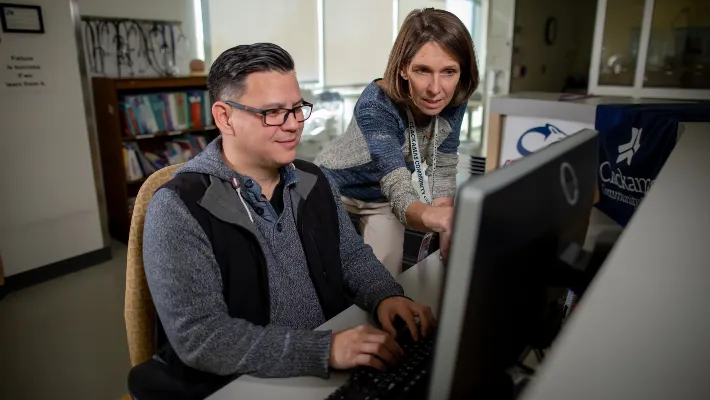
point(139, 310)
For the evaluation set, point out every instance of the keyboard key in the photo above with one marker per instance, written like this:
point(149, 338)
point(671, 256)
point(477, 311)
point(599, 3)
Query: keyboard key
point(407, 379)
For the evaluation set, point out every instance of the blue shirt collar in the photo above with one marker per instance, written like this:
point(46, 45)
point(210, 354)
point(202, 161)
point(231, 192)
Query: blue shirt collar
point(252, 189)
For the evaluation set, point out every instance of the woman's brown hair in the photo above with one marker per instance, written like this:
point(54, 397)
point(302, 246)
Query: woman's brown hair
point(421, 27)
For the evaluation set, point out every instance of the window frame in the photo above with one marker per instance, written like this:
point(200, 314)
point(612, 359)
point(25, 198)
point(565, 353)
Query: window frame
point(637, 90)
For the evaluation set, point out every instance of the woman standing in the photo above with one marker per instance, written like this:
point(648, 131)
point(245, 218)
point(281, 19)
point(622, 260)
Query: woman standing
point(409, 118)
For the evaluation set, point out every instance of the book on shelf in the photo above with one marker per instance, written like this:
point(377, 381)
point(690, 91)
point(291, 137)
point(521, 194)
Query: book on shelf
point(140, 164)
point(149, 114)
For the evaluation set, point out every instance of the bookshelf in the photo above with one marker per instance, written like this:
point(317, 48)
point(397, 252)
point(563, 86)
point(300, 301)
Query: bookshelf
point(157, 120)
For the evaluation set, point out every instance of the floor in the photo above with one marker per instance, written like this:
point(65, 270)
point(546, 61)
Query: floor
point(66, 338)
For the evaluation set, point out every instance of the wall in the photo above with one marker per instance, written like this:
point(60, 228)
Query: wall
point(357, 35)
point(358, 40)
point(175, 10)
point(291, 24)
point(406, 6)
point(49, 207)
point(548, 66)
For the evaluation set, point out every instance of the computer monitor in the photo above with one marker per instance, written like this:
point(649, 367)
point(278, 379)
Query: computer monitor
point(509, 230)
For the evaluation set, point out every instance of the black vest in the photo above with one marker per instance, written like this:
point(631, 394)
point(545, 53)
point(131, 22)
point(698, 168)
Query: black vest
point(241, 259)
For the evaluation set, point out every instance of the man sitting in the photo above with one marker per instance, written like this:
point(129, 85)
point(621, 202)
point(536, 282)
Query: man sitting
point(247, 250)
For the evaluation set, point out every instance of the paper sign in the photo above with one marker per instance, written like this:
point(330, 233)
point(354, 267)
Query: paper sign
point(523, 136)
point(22, 73)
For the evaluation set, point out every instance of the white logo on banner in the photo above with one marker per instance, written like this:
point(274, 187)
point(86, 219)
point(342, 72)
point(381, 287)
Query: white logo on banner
point(627, 189)
point(627, 151)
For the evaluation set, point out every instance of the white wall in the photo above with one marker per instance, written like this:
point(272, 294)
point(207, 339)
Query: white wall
point(358, 35)
point(291, 24)
point(49, 205)
point(358, 40)
point(173, 10)
point(406, 6)
point(470, 12)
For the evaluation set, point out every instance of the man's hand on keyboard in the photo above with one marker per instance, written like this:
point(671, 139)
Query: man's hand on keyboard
point(407, 310)
point(363, 346)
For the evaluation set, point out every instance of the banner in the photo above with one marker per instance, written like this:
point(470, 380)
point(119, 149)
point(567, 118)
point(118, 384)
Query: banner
point(523, 136)
point(634, 144)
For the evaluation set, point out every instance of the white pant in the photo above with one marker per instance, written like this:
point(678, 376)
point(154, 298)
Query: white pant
point(381, 230)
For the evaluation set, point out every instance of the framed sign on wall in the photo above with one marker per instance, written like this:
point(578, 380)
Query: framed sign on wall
point(21, 18)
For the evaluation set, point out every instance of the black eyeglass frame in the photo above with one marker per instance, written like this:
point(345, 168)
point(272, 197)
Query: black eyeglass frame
point(264, 112)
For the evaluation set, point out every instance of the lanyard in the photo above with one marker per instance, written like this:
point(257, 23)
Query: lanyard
point(417, 157)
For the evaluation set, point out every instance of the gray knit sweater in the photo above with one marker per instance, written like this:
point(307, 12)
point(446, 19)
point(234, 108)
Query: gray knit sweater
point(372, 160)
point(186, 285)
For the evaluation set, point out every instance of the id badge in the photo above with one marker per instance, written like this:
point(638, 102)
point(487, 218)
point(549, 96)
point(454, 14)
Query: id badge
point(424, 248)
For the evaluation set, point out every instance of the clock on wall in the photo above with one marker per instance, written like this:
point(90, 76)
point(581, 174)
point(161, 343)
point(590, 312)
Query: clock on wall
point(551, 31)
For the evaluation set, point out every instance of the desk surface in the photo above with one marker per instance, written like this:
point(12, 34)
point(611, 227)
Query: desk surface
point(421, 283)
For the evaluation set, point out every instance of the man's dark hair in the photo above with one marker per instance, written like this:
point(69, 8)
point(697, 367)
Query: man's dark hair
point(231, 68)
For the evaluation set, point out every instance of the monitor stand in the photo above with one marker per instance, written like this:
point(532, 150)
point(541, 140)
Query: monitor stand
point(574, 271)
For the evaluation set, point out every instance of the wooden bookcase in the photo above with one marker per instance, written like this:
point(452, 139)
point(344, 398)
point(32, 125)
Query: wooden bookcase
point(111, 130)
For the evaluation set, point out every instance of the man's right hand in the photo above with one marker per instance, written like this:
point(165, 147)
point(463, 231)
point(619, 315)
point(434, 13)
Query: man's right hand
point(363, 346)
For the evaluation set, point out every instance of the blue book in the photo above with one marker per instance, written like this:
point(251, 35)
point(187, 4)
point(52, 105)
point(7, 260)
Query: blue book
point(147, 115)
point(129, 118)
point(207, 119)
point(165, 98)
point(158, 107)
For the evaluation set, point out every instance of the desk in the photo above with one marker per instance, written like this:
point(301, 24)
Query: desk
point(421, 283)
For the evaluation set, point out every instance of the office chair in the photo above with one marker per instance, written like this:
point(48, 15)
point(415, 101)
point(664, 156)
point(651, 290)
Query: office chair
point(139, 310)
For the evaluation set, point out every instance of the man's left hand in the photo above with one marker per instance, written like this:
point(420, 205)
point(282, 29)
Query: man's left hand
point(406, 309)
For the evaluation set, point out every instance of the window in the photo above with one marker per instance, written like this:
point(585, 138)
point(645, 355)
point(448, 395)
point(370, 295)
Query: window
point(679, 45)
point(622, 32)
point(291, 24)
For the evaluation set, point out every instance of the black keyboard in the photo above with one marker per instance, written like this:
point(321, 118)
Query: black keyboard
point(408, 379)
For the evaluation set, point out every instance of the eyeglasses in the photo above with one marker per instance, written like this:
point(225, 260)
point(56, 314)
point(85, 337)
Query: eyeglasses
point(277, 116)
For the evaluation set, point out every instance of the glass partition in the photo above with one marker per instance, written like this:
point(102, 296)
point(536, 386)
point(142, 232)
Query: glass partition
point(679, 45)
point(333, 112)
point(622, 30)
point(656, 49)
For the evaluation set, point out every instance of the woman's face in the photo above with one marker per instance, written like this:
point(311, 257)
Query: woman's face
point(433, 76)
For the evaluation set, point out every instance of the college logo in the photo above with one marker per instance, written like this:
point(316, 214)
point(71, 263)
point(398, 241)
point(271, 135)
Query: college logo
point(627, 151)
point(538, 137)
point(617, 184)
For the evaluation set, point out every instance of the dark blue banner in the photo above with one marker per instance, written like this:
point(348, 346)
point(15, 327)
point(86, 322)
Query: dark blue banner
point(634, 144)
